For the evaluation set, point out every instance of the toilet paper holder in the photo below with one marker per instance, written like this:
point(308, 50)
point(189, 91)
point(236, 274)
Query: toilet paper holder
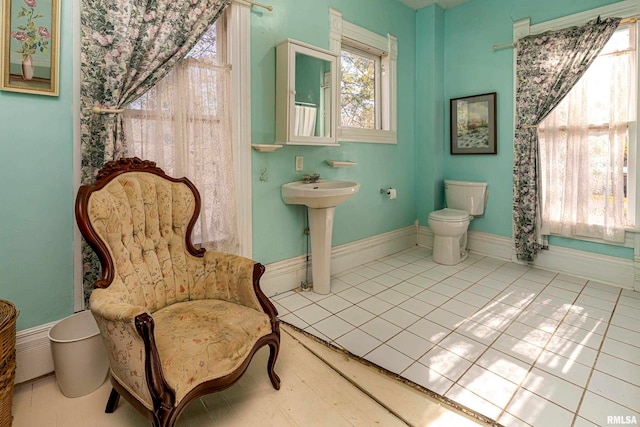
point(385, 191)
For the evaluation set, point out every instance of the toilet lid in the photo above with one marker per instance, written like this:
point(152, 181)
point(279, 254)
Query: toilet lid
point(450, 215)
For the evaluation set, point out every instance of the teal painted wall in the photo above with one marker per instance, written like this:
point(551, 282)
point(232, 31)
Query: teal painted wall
point(277, 227)
point(473, 67)
point(36, 213)
point(430, 103)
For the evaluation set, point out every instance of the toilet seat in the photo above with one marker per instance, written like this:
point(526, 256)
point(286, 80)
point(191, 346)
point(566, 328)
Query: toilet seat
point(450, 215)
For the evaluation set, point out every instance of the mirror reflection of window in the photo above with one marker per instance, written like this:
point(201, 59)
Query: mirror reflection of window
point(312, 100)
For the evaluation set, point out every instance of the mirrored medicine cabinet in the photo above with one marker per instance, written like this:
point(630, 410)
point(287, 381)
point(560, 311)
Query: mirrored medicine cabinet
point(306, 94)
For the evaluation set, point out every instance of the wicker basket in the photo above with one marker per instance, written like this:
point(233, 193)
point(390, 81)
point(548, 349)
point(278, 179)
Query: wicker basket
point(8, 317)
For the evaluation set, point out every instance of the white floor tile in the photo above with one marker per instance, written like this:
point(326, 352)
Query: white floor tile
point(389, 358)
point(473, 401)
point(423, 282)
point(528, 333)
point(312, 313)
point(601, 411)
point(400, 317)
point(410, 344)
point(446, 290)
point(408, 289)
point(628, 311)
point(374, 305)
point(620, 350)
point(537, 321)
point(623, 334)
point(445, 318)
point(553, 388)
point(594, 301)
point(417, 307)
point(470, 298)
point(334, 303)
point(354, 295)
point(490, 386)
point(380, 329)
point(432, 297)
point(621, 392)
point(387, 280)
point(571, 371)
point(294, 302)
point(463, 346)
point(294, 320)
point(393, 297)
point(579, 335)
point(338, 285)
point(539, 411)
point(459, 307)
point(427, 378)
point(333, 327)
point(401, 273)
point(519, 349)
point(367, 272)
point(352, 279)
point(429, 330)
point(572, 350)
point(625, 322)
point(484, 291)
point(371, 287)
point(502, 364)
point(478, 332)
point(456, 282)
point(445, 363)
point(618, 368)
point(358, 342)
point(356, 315)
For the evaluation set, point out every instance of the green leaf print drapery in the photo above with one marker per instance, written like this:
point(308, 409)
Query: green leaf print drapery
point(548, 65)
point(126, 47)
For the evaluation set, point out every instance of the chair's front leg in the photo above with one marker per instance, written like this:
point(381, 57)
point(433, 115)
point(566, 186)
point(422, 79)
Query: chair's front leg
point(162, 395)
point(112, 403)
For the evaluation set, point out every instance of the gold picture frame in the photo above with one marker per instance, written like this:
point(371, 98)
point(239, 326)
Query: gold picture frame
point(30, 46)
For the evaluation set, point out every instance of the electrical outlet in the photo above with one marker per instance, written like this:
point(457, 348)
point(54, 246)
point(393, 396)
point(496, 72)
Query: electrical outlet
point(299, 163)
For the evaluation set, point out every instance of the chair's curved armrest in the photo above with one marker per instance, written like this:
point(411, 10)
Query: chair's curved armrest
point(125, 347)
point(228, 277)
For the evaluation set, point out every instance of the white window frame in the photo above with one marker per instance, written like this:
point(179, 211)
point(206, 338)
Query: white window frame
point(623, 9)
point(362, 38)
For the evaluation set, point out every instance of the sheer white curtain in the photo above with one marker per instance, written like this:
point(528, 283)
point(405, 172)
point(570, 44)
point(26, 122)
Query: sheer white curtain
point(183, 125)
point(583, 152)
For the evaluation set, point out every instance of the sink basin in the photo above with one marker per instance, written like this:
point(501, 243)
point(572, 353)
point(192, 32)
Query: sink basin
point(321, 194)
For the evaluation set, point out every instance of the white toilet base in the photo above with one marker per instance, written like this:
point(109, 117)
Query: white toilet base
point(450, 250)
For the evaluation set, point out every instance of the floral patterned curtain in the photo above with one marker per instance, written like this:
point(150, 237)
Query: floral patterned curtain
point(548, 65)
point(126, 47)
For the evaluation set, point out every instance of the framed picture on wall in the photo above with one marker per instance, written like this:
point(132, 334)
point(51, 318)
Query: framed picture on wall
point(30, 46)
point(473, 124)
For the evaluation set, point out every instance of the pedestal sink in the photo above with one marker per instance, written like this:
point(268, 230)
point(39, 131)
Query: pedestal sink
point(321, 198)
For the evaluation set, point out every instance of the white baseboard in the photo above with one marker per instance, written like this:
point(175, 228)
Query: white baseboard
point(587, 265)
point(33, 353)
point(287, 274)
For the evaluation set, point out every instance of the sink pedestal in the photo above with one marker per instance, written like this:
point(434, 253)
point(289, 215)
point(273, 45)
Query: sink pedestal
point(321, 227)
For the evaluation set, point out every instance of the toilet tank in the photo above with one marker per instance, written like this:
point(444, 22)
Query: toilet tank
point(468, 196)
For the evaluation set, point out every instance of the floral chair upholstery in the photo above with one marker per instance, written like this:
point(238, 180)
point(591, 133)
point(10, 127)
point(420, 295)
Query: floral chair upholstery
point(178, 322)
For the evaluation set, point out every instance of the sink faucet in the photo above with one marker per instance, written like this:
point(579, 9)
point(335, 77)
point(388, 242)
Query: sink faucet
point(309, 179)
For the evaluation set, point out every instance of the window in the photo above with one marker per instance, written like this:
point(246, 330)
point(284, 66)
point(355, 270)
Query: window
point(359, 88)
point(587, 148)
point(367, 82)
point(188, 124)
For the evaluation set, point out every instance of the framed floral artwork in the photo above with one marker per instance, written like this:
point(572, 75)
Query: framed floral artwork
point(30, 46)
point(473, 124)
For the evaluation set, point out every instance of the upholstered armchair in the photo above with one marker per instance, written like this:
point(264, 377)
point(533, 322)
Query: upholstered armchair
point(178, 322)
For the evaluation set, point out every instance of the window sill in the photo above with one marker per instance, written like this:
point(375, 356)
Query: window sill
point(375, 136)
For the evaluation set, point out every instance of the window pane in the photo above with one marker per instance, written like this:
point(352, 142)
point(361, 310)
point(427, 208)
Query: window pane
point(358, 88)
point(207, 46)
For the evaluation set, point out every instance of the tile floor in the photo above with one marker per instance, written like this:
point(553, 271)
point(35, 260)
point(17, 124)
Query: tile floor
point(521, 345)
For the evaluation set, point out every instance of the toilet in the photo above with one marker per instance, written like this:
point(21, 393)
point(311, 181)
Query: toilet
point(465, 199)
